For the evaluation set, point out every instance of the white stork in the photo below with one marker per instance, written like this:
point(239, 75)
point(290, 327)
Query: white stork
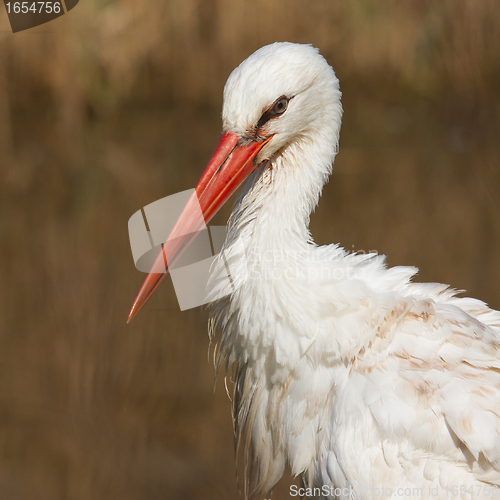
point(366, 385)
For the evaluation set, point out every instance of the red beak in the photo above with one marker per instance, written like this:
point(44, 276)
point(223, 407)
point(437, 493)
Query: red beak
point(231, 163)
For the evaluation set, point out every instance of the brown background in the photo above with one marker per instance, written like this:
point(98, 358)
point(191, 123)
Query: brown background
point(117, 104)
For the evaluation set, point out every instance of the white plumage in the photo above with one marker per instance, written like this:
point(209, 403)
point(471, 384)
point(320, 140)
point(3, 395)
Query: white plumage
point(366, 385)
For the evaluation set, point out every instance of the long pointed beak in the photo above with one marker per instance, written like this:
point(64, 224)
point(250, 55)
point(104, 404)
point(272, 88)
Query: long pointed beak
point(231, 163)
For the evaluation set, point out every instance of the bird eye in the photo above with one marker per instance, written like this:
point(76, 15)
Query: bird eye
point(279, 107)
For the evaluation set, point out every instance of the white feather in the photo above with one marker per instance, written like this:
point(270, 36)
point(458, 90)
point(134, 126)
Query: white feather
point(343, 369)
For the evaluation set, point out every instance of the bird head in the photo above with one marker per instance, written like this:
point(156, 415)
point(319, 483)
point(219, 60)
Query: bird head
point(282, 94)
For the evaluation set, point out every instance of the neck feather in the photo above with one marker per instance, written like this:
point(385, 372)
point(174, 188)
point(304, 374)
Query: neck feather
point(259, 329)
point(278, 199)
point(269, 244)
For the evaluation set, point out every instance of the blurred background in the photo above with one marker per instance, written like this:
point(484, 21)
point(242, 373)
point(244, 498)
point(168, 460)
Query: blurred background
point(116, 105)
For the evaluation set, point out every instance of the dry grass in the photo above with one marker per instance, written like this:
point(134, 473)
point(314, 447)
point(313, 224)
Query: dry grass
point(116, 105)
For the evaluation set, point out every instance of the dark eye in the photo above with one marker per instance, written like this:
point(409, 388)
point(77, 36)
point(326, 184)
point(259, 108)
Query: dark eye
point(279, 107)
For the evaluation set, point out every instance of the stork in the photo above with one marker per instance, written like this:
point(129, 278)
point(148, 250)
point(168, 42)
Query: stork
point(364, 384)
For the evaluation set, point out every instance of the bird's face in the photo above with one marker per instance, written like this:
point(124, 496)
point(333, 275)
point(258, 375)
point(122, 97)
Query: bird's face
point(280, 94)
